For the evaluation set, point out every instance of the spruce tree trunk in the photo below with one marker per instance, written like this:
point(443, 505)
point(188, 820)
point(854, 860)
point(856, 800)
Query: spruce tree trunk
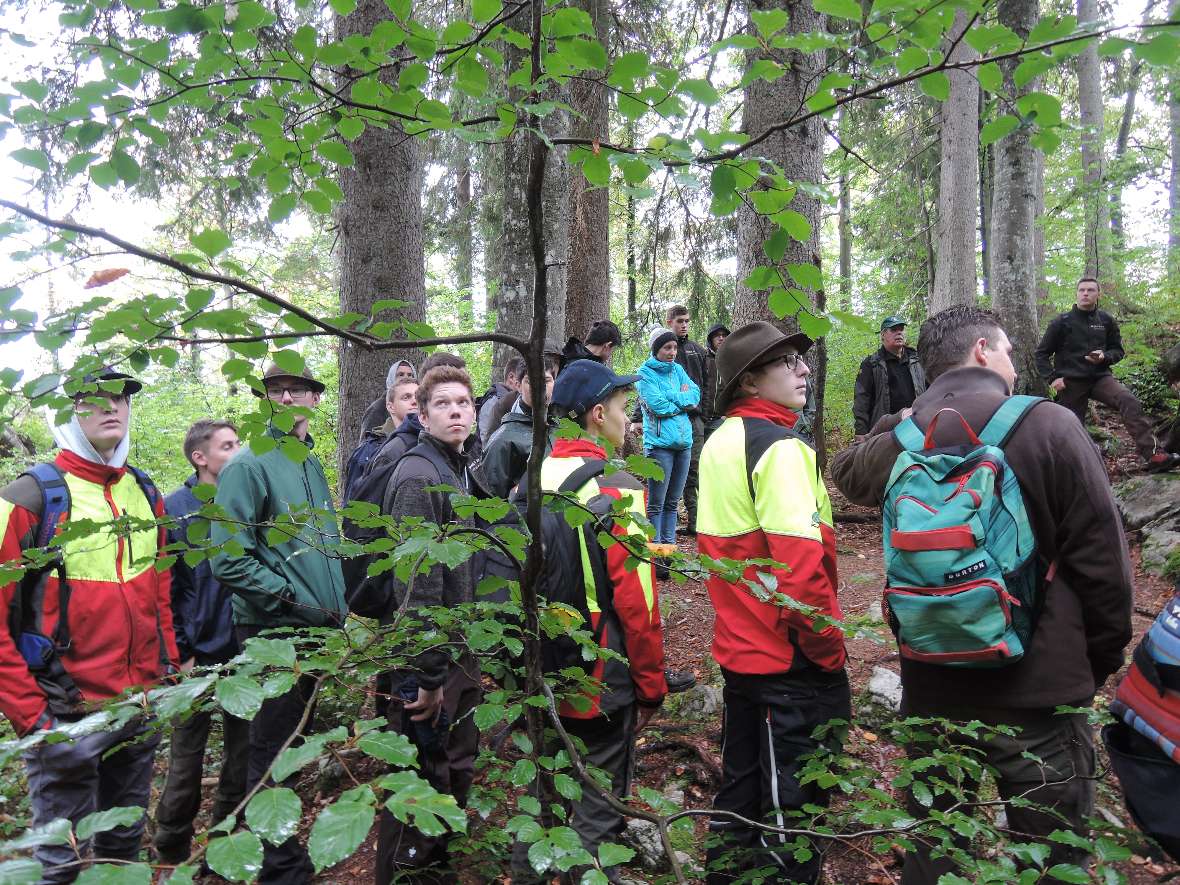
point(464, 235)
point(379, 248)
point(1014, 263)
point(955, 279)
point(844, 227)
point(588, 281)
point(1095, 198)
point(798, 151)
point(1174, 180)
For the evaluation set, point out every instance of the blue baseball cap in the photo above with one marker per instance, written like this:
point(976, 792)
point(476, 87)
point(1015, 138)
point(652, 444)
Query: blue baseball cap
point(582, 385)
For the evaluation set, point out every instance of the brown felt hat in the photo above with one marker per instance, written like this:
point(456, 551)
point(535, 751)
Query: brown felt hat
point(747, 348)
point(274, 373)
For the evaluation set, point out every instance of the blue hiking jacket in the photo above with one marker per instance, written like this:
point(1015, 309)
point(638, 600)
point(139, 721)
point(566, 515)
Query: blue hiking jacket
point(202, 610)
point(666, 424)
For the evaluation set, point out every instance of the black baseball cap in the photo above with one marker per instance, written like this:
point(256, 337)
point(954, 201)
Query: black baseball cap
point(582, 385)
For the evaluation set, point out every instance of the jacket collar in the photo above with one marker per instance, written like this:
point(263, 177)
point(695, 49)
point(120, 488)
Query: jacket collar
point(757, 407)
point(963, 382)
point(410, 424)
point(459, 461)
point(1084, 313)
point(659, 365)
point(102, 474)
point(275, 433)
point(581, 447)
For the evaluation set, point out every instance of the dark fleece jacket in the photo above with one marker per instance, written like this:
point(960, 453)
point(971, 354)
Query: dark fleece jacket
point(1086, 621)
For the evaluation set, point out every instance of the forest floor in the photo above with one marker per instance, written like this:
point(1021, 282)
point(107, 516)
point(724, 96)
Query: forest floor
point(684, 753)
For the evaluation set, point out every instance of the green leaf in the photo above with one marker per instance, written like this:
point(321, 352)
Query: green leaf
point(1068, 872)
point(762, 277)
point(806, 275)
point(25, 871)
point(237, 857)
point(631, 66)
point(125, 167)
point(699, 90)
point(389, 746)
point(211, 241)
point(848, 9)
point(105, 821)
point(116, 874)
point(910, 59)
point(338, 830)
point(276, 652)
point(567, 787)
point(182, 875)
point(990, 77)
point(485, 10)
point(596, 168)
point(569, 21)
point(1161, 50)
point(587, 53)
point(775, 246)
point(240, 696)
point(471, 77)
point(274, 814)
point(769, 21)
point(413, 799)
point(794, 223)
point(342, 7)
point(335, 152)
point(35, 90)
point(31, 157)
point(936, 85)
point(611, 854)
point(523, 773)
point(997, 129)
point(281, 207)
point(813, 326)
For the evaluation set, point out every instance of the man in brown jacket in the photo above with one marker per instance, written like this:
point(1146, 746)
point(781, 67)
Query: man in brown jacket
point(1086, 619)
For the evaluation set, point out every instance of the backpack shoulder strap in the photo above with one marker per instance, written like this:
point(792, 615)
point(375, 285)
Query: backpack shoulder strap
point(908, 436)
point(55, 507)
point(581, 476)
point(149, 488)
point(1006, 419)
point(55, 499)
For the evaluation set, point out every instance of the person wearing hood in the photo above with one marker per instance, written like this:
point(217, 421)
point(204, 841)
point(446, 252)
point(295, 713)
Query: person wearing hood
point(400, 401)
point(374, 415)
point(667, 397)
point(296, 582)
point(714, 338)
point(59, 667)
point(601, 341)
point(432, 695)
point(506, 453)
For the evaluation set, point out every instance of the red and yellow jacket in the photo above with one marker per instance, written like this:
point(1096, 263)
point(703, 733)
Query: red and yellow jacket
point(762, 497)
point(639, 634)
point(120, 617)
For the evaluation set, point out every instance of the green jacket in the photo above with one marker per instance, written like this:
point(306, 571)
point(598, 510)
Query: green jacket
point(293, 583)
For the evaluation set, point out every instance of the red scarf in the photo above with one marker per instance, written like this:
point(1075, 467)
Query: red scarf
point(581, 447)
point(102, 474)
point(757, 407)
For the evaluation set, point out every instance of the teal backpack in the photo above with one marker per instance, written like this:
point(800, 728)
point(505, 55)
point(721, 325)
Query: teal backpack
point(963, 582)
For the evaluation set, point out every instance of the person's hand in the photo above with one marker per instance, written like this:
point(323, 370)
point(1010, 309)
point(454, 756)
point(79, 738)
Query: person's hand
point(185, 666)
point(643, 716)
point(859, 438)
point(430, 703)
point(1096, 357)
point(1058, 384)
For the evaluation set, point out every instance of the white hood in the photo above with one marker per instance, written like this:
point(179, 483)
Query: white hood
point(70, 436)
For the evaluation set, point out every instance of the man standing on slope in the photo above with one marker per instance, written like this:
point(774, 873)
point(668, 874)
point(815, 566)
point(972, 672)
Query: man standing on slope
point(762, 497)
point(1075, 356)
point(694, 359)
point(56, 668)
point(889, 380)
point(295, 583)
point(1085, 621)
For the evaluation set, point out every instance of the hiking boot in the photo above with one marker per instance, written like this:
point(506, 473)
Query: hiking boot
point(662, 573)
point(679, 680)
point(1163, 461)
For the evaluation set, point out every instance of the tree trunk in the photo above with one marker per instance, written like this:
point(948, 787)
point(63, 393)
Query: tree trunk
point(798, 152)
point(629, 235)
point(588, 282)
point(1014, 265)
point(844, 226)
point(1095, 198)
point(512, 297)
point(955, 279)
point(1118, 237)
point(1174, 180)
point(987, 163)
point(463, 233)
point(1043, 297)
point(380, 247)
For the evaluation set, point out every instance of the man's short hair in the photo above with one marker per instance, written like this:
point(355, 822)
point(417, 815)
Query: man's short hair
point(580, 420)
point(200, 433)
point(432, 378)
point(392, 392)
point(676, 310)
point(1093, 280)
point(515, 368)
point(604, 332)
point(947, 337)
point(441, 358)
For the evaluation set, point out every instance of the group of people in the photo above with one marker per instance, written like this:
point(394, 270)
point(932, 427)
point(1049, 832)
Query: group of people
point(722, 420)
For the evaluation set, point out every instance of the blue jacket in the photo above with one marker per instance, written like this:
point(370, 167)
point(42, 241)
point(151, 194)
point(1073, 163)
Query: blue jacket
point(202, 612)
point(666, 424)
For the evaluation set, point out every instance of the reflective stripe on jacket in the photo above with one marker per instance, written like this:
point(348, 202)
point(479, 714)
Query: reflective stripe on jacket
point(762, 497)
point(120, 616)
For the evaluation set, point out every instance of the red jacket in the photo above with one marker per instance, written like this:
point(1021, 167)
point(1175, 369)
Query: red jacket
point(762, 497)
point(120, 616)
point(636, 601)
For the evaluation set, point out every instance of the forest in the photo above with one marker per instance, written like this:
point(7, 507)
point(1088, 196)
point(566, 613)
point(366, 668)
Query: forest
point(198, 190)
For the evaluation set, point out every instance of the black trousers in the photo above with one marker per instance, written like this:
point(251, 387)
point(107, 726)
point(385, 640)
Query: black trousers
point(405, 854)
point(766, 735)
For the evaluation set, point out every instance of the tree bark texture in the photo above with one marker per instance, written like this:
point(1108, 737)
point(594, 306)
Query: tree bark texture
point(955, 279)
point(464, 221)
point(1095, 198)
point(798, 151)
point(588, 280)
point(1118, 237)
point(1014, 263)
point(1174, 180)
point(512, 292)
point(987, 159)
point(380, 248)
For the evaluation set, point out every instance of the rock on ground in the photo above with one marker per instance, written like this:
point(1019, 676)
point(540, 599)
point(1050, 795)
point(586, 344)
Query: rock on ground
point(1151, 504)
point(885, 689)
point(701, 702)
point(644, 837)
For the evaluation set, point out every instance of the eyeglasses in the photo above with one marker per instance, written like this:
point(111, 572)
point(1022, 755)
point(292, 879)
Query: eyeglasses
point(791, 360)
point(296, 392)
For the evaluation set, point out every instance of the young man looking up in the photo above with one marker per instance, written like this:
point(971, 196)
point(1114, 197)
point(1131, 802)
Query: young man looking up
point(432, 681)
point(889, 380)
point(1075, 356)
point(1085, 621)
point(294, 583)
point(506, 451)
point(92, 656)
point(202, 615)
point(595, 398)
point(762, 497)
